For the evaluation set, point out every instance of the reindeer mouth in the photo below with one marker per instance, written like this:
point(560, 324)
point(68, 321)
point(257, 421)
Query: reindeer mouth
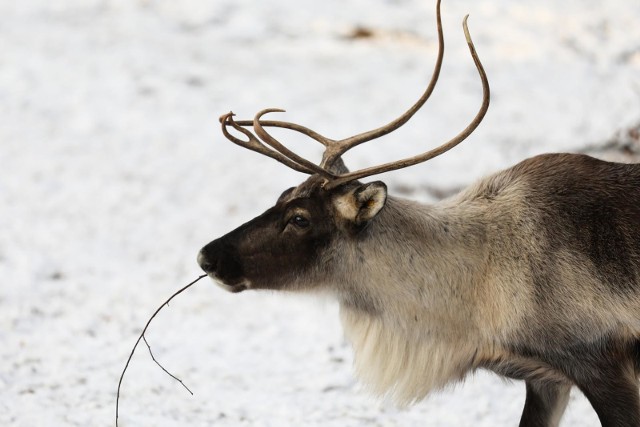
point(233, 288)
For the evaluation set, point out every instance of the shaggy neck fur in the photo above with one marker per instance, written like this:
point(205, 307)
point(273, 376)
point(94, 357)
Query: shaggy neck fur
point(411, 314)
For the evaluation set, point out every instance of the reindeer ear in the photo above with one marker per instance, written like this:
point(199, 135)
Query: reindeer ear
point(360, 204)
point(370, 199)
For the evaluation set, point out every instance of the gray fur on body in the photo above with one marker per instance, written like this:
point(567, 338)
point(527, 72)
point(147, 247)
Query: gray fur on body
point(533, 273)
point(481, 279)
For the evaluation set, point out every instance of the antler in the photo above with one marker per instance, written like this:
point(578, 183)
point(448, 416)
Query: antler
point(334, 149)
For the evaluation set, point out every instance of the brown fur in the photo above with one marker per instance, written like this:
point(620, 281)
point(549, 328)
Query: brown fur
point(533, 273)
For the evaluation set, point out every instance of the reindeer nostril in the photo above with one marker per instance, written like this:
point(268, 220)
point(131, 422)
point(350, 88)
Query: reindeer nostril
point(205, 265)
point(208, 268)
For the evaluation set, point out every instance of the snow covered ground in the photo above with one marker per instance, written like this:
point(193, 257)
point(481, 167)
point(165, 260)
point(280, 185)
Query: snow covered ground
point(113, 173)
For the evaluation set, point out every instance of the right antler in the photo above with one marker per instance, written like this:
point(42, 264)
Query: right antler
point(334, 149)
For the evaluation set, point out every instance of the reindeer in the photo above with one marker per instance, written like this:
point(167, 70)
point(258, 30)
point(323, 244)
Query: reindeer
point(532, 273)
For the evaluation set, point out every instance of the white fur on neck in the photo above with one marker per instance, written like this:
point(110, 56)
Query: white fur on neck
point(422, 332)
point(401, 367)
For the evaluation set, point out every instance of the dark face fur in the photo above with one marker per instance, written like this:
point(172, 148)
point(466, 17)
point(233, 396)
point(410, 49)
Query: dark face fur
point(272, 249)
point(283, 248)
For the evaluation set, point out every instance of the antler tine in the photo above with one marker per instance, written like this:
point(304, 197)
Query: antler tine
point(342, 146)
point(276, 145)
point(291, 126)
point(486, 94)
point(255, 145)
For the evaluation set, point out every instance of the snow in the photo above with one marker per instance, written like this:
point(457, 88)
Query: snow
point(114, 173)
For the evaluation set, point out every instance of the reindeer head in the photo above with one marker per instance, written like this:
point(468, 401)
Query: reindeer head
point(299, 242)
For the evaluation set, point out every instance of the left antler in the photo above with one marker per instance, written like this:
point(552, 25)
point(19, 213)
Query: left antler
point(266, 144)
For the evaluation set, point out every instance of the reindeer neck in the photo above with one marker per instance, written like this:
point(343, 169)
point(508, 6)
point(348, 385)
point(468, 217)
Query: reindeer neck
point(421, 264)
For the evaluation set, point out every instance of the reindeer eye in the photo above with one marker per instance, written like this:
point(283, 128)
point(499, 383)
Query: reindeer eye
point(299, 221)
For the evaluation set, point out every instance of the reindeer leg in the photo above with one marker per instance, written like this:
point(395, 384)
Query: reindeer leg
point(545, 403)
point(613, 393)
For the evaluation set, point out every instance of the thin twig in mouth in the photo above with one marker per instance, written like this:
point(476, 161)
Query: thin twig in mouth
point(142, 337)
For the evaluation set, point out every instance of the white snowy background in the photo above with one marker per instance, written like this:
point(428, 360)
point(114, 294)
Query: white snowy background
point(113, 173)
